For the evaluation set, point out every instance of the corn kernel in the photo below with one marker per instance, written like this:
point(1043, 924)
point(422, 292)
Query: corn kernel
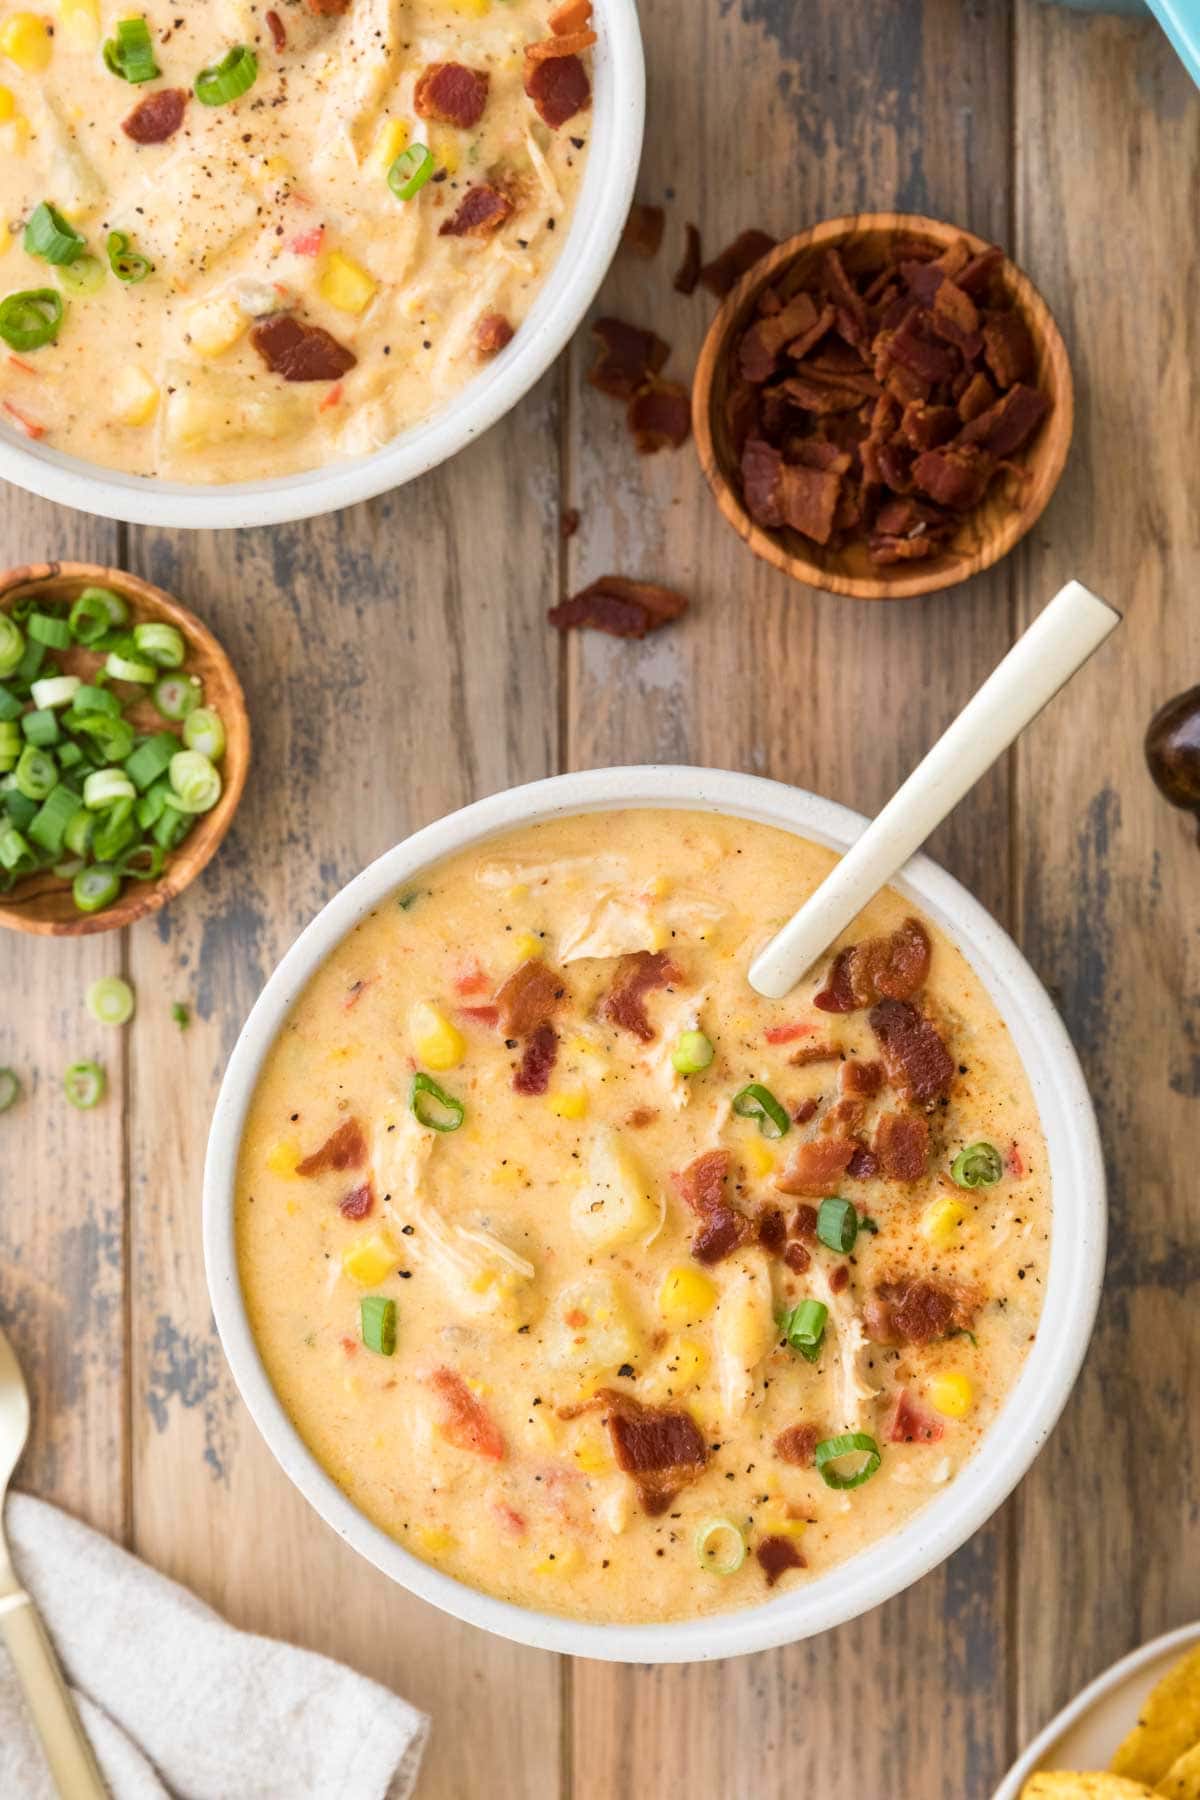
point(778, 1522)
point(135, 402)
point(519, 891)
point(369, 1260)
point(758, 1158)
point(345, 284)
point(81, 22)
point(687, 1364)
point(506, 1175)
point(471, 9)
point(526, 946)
point(572, 1103)
point(685, 1294)
point(25, 41)
point(941, 1220)
point(582, 1046)
point(433, 1540)
point(445, 151)
point(660, 887)
point(560, 1561)
point(284, 1157)
point(8, 105)
point(437, 1043)
point(393, 138)
point(592, 1454)
point(951, 1394)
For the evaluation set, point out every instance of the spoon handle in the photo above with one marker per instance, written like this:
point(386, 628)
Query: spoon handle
point(1059, 641)
point(68, 1752)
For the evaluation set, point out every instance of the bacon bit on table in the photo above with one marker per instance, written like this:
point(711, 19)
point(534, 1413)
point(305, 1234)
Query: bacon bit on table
point(482, 210)
point(727, 269)
point(797, 1444)
point(452, 94)
point(660, 417)
point(902, 1146)
point(275, 26)
point(816, 1166)
point(662, 1449)
point(309, 243)
point(620, 606)
point(528, 998)
point(29, 427)
point(918, 1063)
point(880, 968)
point(776, 1555)
point(815, 1053)
point(628, 358)
point(492, 332)
point(345, 1148)
point(643, 233)
point(910, 1423)
point(912, 1311)
point(358, 1202)
point(537, 1061)
point(465, 1422)
point(571, 16)
point(300, 352)
point(637, 975)
point(688, 272)
point(157, 117)
point(556, 81)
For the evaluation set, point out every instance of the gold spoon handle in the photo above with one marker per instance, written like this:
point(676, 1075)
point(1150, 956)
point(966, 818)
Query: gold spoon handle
point(68, 1752)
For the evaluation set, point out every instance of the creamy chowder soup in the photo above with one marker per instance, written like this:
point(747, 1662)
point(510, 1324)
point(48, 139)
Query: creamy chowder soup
point(276, 235)
point(602, 1283)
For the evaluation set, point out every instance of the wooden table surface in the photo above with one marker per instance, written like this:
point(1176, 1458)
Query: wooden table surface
point(398, 664)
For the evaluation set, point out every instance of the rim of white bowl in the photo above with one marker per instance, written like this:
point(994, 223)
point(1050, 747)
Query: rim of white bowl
point(1077, 1238)
point(618, 119)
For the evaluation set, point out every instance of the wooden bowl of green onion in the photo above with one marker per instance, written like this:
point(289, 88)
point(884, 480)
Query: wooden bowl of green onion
point(124, 746)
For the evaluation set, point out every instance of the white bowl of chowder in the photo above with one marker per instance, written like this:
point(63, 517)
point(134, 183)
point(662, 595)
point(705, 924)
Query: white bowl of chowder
point(261, 262)
point(607, 1305)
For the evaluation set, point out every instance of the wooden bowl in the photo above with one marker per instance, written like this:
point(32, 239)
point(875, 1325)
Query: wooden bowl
point(989, 531)
point(42, 902)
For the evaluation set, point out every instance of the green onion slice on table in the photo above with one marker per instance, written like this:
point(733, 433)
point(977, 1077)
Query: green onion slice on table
point(229, 79)
point(720, 1547)
point(130, 54)
point(837, 1225)
point(110, 1001)
point(804, 1328)
point(378, 1319)
point(849, 1444)
point(10, 1089)
point(758, 1102)
point(51, 237)
point(410, 171)
point(432, 1106)
point(84, 1085)
point(979, 1165)
point(126, 263)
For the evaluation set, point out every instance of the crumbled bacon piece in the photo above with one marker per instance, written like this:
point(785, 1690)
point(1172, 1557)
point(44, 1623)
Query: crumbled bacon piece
point(816, 1166)
point(482, 210)
point(537, 1060)
point(345, 1148)
point(956, 476)
point(638, 975)
point(492, 333)
point(659, 416)
point(902, 1146)
point(759, 348)
point(839, 1278)
point(640, 1117)
point(558, 85)
point(452, 94)
point(275, 26)
point(804, 1224)
point(465, 1422)
point(1009, 423)
point(688, 273)
point(772, 1230)
point(863, 1165)
point(762, 471)
point(619, 606)
point(300, 352)
point(529, 997)
point(157, 117)
point(1007, 347)
point(661, 1448)
point(815, 1053)
point(912, 1311)
point(860, 1077)
point(702, 1186)
point(880, 968)
point(918, 1063)
point(358, 1202)
point(911, 1423)
point(776, 1555)
point(797, 1258)
point(975, 398)
point(806, 1110)
point(643, 233)
point(808, 500)
point(725, 270)
point(628, 358)
point(328, 8)
point(571, 16)
point(797, 1444)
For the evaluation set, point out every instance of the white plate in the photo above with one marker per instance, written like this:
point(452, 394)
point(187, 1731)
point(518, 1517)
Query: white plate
point(1086, 1733)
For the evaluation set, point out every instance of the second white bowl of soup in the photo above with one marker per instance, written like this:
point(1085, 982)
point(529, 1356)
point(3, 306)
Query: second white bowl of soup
point(600, 1301)
point(287, 258)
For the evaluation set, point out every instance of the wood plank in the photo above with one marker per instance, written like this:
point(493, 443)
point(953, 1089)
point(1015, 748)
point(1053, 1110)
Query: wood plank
point(62, 1173)
point(1109, 129)
point(838, 109)
point(396, 666)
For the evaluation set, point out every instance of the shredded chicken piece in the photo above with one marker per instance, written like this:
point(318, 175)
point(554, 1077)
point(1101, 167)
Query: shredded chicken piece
point(853, 1387)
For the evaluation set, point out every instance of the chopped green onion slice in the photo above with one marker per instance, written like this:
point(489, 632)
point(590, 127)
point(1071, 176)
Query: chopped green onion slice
point(151, 759)
point(131, 53)
point(40, 727)
point(433, 1106)
point(104, 786)
point(15, 853)
point(144, 862)
point(95, 888)
point(410, 171)
point(160, 643)
point(171, 828)
point(196, 782)
point(720, 1547)
point(378, 1319)
point(176, 695)
point(181, 1015)
point(113, 736)
point(12, 644)
point(203, 731)
point(49, 236)
point(837, 1224)
point(128, 668)
point(10, 707)
point(31, 662)
point(979, 1165)
point(67, 871)
point(116, 831)
point(54, 690)
point(10, 1089)
point(849, 1443)
point(126, 263)
point(693, 1052)
point(89, 618)
point(31, 319)
point(227, 80)
point(82, 277)
point(110, 1001)
point(48, 827)
point(46, 628)
point(20, 810)
point(84, 1084)
point(118, 608)
point(804, 1327)
point(36, 773)
point(91, 699)
point(758, 1102)
point(81, 827)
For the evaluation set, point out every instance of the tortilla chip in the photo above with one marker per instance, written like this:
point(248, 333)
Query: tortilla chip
point(1182, 1779)
point(1168, 1724)
point(1067, 1785)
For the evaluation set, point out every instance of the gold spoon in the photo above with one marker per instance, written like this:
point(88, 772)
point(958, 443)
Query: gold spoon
point(72, 1764)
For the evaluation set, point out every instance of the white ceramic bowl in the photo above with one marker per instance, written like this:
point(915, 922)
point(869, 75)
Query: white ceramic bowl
point(1076, 1258)
point(618, 117)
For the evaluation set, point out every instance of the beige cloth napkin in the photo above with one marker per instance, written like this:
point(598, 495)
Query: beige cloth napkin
point(178, 1703)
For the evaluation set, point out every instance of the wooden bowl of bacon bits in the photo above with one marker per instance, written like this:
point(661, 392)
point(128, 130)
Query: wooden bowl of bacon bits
point(883, 406)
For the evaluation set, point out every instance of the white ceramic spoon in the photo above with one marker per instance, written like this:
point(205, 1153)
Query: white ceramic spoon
point(1059, 641)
